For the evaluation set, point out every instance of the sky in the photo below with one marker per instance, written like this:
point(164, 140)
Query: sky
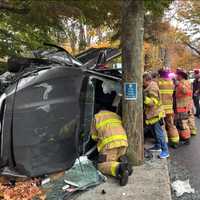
point(180, 23)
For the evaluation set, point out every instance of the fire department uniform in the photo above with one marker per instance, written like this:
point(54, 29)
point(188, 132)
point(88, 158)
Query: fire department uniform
point(191, 117)
point(154, 114)
point(183, 95)
point(111, 139)
point(163, 125)
point(191, 122)
point(166, 87)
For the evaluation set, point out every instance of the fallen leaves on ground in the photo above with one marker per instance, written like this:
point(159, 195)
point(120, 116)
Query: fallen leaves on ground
point(26, 190)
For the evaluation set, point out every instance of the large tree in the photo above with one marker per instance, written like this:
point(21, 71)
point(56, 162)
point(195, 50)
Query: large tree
point(132, 58)
point(42, 21)
point(133, 67)
point(31, 23)
point(26, 24)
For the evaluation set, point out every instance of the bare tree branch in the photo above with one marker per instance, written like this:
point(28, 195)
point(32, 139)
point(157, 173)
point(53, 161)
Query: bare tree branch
point(193, 48)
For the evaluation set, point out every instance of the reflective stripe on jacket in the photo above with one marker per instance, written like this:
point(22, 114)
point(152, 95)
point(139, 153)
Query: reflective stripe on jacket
point(166, 87)
point(183, 96)
point(108, 131)
point(152, 104)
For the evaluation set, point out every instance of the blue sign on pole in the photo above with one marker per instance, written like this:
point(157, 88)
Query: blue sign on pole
point(130, 91)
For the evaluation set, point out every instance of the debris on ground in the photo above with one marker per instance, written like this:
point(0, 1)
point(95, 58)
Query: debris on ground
point(82, 176)
point(181, 187)
point(45, 181)
point(148, 155)
point(26, 190)
point(103, 191)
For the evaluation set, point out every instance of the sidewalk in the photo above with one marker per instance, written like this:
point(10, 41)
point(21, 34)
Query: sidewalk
point(148, 182)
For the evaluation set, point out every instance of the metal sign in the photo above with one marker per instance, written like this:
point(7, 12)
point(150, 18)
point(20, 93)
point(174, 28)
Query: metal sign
point(130, 91)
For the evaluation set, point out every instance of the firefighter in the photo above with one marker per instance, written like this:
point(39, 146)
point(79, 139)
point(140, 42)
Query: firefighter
point(166, 87)
point(154, 115)
point(183, 93)
point(196, 92)
point(112, 145)
point(191, 116)
point(155, 76)
point(191, 119)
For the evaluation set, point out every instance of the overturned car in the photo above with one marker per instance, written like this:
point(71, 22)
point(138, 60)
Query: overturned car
point(47, 107)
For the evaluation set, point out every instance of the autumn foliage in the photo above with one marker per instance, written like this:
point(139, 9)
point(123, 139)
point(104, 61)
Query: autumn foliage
point(169, 51)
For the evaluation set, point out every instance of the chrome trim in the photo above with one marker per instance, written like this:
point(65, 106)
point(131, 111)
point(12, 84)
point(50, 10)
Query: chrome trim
point(2, 98)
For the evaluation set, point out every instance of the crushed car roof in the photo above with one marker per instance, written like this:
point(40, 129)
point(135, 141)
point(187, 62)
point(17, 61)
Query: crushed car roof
point(89, 60)
point(94, 56)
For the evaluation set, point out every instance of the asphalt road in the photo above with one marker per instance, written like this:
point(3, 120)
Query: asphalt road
point(185, 164)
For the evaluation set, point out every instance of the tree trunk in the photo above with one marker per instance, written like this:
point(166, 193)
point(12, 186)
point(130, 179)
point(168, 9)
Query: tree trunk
point(72, 38)
point(99, 34)
point(82, 39)
point(88, 35)
point(132, 60)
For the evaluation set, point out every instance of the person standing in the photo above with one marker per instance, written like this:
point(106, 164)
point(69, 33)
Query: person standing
point(154, 114)
point(166, 87)
point(196, 92)
point(183, 93)
point(112, 143)
point(191, 116)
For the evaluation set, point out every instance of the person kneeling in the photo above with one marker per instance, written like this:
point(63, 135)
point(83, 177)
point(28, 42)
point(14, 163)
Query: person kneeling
point(112, 145)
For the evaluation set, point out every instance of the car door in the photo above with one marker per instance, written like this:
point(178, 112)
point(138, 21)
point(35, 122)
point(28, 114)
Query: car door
point(87, 112)
point(45, 118)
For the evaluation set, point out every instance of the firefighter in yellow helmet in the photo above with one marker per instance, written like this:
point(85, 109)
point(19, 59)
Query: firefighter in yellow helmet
point(166, 87)
point(111, 138)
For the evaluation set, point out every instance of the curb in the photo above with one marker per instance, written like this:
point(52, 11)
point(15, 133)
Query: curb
point(163, 177)
point(168, 179)
point(150, 181)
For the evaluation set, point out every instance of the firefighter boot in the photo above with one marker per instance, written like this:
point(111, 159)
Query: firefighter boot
point(122, 174)
point(174, 145)
point(186, 142)
point(124, 159)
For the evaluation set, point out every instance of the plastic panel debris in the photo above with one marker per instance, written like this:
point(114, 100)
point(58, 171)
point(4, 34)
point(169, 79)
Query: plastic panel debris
point(80, 177)
point(181, 187)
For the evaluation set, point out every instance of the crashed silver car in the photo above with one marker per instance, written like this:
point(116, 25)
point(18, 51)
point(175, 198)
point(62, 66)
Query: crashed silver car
point(47, 108)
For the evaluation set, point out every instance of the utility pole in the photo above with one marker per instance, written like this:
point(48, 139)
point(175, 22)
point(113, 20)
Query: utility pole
point(133, 67)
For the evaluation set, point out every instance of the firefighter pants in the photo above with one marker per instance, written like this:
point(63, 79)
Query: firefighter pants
point(197, 105)
point(191, 123)
point(110, 165)
point(183, 127)
point(171, 129)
